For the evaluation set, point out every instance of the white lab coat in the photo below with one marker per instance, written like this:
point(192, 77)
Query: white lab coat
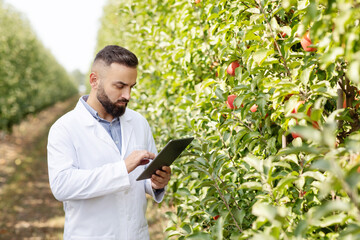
point(88, 174)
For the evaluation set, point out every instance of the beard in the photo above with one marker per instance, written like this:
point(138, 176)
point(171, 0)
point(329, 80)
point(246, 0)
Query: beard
point(111, 107)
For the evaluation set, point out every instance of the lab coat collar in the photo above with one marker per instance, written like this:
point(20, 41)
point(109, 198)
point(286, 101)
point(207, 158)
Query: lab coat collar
point(90, 121)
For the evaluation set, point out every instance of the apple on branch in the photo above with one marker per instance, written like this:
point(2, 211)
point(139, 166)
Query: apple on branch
point(231, 68)
point(230, 101)
point(253, 108)
point(306, 42)
point(216, 217)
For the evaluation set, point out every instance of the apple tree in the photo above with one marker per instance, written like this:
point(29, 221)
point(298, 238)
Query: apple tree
point(269, 89)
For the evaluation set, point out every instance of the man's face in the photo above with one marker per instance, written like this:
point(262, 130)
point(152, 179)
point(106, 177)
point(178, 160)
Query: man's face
point(114, 89)
point(112, 108)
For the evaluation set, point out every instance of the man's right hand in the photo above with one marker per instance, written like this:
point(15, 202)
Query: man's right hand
point(137, 158)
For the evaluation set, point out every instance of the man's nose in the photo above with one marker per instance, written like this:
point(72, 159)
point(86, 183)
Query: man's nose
point(127, 94)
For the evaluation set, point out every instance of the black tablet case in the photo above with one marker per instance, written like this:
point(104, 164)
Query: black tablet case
point(166, 156)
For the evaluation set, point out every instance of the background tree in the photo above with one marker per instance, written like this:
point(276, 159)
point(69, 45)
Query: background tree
point(30, 77)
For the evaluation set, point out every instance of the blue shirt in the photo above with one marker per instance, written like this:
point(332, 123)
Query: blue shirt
point(113, 127)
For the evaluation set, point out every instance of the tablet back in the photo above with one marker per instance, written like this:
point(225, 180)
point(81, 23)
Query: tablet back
point(166, 156)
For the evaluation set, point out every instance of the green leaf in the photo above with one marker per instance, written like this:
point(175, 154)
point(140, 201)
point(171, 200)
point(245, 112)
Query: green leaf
point(199, 236)
point(307, 132)
point(220, 94)
point(254, 162)
point(239, 215)
point(353, 72)
point(213, 16)
point(321, 164)
point(331, 56)
point(186, 227)
point(250, 36)
point(301, 228)
point(284, 182)
point(331, 220)
point(296, 150)
point(251, 185)
point(305, 75)
point(314, 174)
point(260, 55)
point(327, 208)
point(264, 210)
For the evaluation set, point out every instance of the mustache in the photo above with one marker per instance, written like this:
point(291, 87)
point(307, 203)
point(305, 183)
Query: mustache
point(122, 101)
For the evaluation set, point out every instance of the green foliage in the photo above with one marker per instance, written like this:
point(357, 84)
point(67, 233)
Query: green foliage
point(244, 166)
point(31, 79)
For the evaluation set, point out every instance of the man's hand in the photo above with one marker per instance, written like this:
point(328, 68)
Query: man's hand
point(161, 178)
point(137, 158)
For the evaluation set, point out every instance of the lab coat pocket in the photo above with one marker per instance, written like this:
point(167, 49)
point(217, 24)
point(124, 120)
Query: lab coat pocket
point(111, 237)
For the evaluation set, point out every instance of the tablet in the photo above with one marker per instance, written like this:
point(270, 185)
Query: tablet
point(166, 156)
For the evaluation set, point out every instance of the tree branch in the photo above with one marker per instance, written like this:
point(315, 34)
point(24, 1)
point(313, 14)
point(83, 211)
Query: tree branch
point(242, 122)
point(226, 204)
point(273, 36)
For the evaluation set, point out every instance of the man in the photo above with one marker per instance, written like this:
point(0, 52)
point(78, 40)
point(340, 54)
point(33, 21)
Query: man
point(96, 152)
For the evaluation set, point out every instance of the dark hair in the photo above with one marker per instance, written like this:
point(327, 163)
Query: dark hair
point(116, 54)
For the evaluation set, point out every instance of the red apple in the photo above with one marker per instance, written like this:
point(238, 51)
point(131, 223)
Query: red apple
point(282, 34)
point(253, 108)
point(231, 68)
point(216, 217)
point(197, 1)
point(295, 135)
point(230, 101)
point(306, 42)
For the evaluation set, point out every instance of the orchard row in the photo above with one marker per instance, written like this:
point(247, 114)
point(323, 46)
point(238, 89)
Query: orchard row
point(31, 79)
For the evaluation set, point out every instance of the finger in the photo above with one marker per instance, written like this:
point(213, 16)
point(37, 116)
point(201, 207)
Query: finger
point(151, 155)
point(157, 178)
point(156, 185)
point(144, 161)
point(161, 173)
point(159, 182)
point(166, 169)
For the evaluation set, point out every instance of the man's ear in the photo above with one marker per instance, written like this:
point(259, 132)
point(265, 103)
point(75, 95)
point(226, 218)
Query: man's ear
point(93, 80)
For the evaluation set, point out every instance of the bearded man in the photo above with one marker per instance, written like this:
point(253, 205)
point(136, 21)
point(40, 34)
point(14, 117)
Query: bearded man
point(97, 150)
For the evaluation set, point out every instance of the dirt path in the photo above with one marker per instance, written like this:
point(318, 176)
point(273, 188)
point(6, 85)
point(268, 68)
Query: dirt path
point(28, 210)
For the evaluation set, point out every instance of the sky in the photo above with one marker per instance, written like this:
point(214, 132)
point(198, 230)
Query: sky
point(68, 28)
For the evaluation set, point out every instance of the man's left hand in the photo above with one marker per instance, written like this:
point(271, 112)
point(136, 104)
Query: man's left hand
point(161, 178)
